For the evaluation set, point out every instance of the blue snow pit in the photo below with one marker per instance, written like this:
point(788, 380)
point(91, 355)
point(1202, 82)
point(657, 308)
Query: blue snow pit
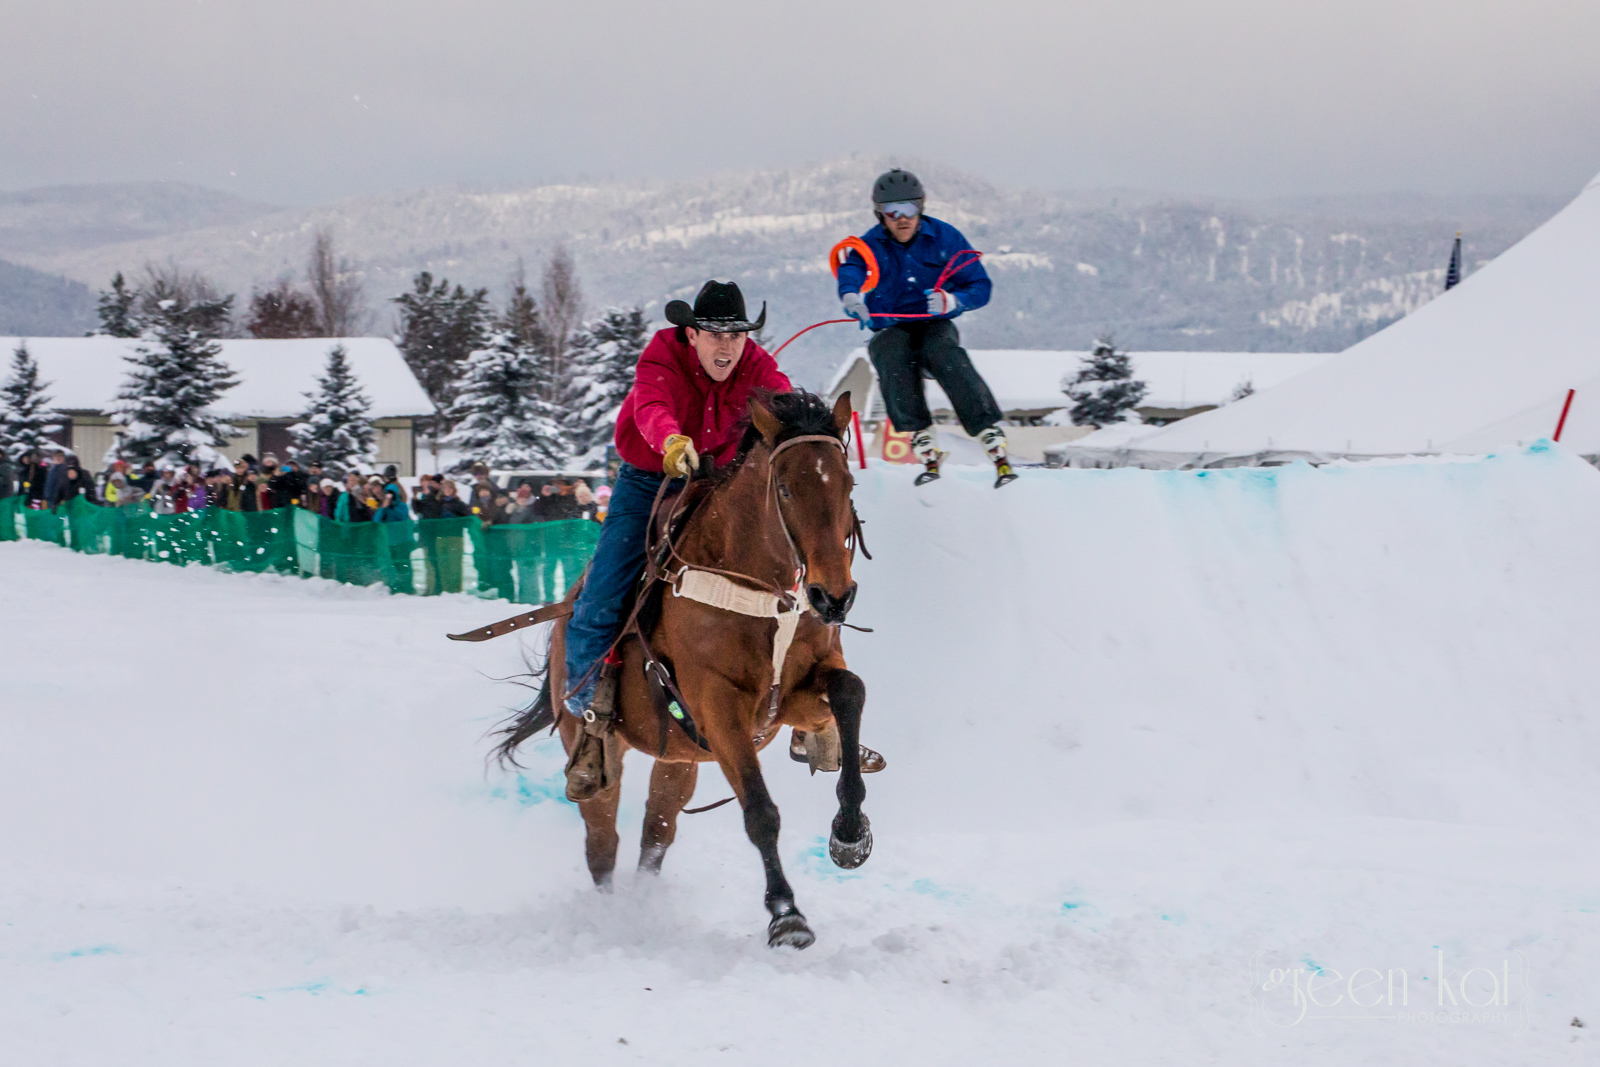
point(816, 862)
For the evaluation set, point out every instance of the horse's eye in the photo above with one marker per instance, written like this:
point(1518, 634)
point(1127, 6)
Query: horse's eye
point(783, 491)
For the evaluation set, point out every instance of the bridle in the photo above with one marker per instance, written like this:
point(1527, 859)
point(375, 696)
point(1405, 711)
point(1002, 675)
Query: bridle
point(669, 551)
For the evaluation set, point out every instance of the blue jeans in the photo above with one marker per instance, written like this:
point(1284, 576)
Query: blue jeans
point(618, 562)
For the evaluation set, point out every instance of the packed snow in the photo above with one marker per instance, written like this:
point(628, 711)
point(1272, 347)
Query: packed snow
point(1164, 749)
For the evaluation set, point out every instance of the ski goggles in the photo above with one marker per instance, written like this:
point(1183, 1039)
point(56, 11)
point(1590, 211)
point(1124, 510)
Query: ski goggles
point(901, 209)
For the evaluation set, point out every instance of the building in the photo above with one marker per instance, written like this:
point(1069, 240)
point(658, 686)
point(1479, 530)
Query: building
point(86, 373)
point(1027, 385)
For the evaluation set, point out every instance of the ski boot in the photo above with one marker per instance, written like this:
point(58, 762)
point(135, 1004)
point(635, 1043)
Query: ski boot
point(994, 443)
point(821, 751)
point(924, 448)
point(595, 763)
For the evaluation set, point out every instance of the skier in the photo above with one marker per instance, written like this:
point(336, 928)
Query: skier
point(912, 250)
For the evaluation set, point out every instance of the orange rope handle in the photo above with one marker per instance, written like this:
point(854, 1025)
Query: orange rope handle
point(841, 252)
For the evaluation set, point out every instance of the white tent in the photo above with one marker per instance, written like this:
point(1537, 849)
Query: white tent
point(1485, 366)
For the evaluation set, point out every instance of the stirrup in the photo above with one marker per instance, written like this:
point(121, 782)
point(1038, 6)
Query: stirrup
point(871, 761)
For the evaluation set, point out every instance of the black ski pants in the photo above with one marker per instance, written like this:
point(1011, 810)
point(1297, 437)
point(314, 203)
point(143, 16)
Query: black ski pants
point(901, 353)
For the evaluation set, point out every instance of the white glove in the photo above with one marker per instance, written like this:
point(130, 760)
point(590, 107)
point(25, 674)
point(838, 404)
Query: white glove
point(941, 302)
point(856, 308)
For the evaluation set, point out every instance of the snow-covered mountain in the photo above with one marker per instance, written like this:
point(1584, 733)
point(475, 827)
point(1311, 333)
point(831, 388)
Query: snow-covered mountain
point(1162, 272)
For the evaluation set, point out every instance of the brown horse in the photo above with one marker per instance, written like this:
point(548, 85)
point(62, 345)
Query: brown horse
point(781, 509)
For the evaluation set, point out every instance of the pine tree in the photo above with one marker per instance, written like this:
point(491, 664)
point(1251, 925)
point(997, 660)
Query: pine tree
point(335, 430)
point(602, 358)
point(500, 415)
point(26, 421)
point(164, 407)
point(439, 329)
point(118, 310)
point(1104, 390)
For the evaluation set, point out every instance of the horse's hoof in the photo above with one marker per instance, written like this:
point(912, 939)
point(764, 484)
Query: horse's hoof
point(851, 854)
point(789, 931)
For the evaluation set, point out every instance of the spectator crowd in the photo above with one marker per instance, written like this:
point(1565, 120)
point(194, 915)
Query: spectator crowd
point(50, 478)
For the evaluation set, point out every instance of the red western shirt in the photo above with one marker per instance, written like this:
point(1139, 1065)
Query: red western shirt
point(672, 394)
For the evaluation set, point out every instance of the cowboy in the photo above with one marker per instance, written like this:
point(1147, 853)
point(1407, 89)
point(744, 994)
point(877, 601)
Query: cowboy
point(913, 252)
point(690, 394)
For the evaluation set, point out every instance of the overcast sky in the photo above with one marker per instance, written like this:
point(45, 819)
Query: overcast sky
point(304, 102)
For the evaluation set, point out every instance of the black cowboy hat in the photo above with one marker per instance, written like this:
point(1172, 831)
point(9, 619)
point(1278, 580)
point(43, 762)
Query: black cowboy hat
point(718, 309)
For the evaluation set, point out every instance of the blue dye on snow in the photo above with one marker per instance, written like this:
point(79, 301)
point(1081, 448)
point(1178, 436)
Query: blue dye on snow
point(528, 793)
point(92, 950)
point(315, 989)
point(1071, 905)
point(1311, 963)
point(816, 862)
point(929, 888)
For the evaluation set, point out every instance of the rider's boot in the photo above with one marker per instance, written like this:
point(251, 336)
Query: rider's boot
point(925, 447)
point(994, 443)
point(814, 749)
point(591, 767)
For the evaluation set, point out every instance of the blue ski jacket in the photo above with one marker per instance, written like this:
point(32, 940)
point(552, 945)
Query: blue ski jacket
point(906, 272)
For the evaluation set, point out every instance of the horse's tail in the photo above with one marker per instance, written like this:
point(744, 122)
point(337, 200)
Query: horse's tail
point(537, 716)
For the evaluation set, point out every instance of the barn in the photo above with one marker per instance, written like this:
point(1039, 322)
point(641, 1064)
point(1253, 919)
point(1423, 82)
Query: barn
point(84, 375)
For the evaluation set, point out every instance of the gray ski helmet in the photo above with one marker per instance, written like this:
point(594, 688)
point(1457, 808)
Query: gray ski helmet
point(895, 185)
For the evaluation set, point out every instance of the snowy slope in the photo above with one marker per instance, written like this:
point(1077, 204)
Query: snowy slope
point(1152, 735)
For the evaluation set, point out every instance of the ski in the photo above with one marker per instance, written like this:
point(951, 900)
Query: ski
point(1004, 475)
point(930, 471)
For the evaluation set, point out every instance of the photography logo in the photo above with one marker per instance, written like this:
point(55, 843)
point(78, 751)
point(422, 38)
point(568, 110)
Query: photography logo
point(1440, 992)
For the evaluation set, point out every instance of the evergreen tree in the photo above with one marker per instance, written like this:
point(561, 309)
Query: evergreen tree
point(335, 430)
point(602, 358)
point(26, 421)
point(1104, 390)
point(439, 329)
point(119, 309)
point(282, 311)
point(164, 407)
point(500, 415)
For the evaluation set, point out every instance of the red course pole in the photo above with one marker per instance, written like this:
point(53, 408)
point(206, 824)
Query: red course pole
point(1561, 424)
point(861, 447)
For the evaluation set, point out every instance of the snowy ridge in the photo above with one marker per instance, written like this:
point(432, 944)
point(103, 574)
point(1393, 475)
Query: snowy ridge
point(1151, 735)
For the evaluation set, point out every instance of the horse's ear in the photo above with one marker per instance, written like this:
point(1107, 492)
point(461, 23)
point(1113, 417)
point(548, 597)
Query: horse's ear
point(765, 422)
point(841, 412)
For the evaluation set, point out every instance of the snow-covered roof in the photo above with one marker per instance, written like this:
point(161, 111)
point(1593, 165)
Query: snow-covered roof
point(1482, 367)
point(1030, 380)
point(85, 373)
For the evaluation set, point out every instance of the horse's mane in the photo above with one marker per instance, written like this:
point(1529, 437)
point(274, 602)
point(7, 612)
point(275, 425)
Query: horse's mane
point(799, 414)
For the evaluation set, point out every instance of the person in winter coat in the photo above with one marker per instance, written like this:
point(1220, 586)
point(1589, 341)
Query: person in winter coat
point(522, 508)
point(75, 482)
point(327, 501)
point(691, 391)
point(353, 506)
point(31, 478)
point(584, 504)
point(428, 499)
point(912, 251)
point(54, 477)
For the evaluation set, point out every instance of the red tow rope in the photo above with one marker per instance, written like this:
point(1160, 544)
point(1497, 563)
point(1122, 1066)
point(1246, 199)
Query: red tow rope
point(855, 244)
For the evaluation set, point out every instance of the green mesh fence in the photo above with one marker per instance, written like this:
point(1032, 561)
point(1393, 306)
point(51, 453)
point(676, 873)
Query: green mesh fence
point(534, 564)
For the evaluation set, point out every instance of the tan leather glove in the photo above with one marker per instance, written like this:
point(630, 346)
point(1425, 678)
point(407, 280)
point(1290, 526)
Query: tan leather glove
point(679, 458)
